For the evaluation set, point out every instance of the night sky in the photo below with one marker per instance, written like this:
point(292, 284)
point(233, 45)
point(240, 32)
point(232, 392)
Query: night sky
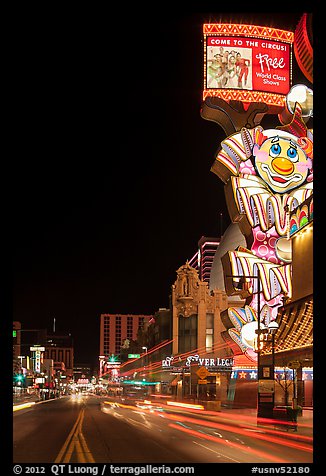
point(112, 184)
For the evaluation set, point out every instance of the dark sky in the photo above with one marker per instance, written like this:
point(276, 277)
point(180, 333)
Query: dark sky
point(112, 184)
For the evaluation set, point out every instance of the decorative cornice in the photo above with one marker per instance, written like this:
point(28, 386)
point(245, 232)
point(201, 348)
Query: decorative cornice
point(247, 96)
point(252, 31)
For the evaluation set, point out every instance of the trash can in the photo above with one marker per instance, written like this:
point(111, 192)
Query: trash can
point(214, 405)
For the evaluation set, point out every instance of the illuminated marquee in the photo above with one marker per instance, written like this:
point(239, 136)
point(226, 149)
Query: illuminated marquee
point(280, 374)
point(206, 362)
point(108, 365)
point(247, 63)
point(38, 357)
point(301, 216)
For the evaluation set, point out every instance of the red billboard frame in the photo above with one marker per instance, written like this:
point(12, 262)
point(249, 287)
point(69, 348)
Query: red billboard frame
point(247, 63)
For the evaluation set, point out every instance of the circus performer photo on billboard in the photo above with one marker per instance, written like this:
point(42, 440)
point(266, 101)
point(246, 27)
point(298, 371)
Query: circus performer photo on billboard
point(229, 68)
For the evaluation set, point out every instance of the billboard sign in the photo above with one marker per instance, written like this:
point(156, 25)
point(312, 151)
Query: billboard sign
point(247, 63)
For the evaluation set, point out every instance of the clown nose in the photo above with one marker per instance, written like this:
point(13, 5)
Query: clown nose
point(282, 166)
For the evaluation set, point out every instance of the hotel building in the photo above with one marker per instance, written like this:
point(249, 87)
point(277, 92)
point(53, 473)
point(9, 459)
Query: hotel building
point(116, 328)
point(202, 260)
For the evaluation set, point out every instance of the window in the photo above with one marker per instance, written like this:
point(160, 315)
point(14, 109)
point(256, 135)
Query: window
point(187, 333)
point(67, 358)
point(209, 332)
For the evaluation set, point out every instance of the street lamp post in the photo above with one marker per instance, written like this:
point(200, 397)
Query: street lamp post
point(272, 329)
point(145, 349)
point(265, 397)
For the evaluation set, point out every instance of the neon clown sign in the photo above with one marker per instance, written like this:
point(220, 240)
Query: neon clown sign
point(267, 174)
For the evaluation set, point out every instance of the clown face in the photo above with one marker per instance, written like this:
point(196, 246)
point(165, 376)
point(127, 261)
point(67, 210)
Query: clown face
point(281, 162)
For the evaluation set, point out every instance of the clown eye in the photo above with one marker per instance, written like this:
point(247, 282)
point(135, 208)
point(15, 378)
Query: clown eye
point(275, 150)
point(292, 153)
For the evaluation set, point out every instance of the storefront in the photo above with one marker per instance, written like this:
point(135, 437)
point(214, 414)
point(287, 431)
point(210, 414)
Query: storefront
point(196, 377)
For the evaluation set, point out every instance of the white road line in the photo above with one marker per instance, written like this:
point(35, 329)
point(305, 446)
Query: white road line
point(217, 452)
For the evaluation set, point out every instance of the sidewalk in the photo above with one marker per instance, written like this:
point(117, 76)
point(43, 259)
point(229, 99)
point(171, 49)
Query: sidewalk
point(304, 422)
point(29, 398)
point(26, 398)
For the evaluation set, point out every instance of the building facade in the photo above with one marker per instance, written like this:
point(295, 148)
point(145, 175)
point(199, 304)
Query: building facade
point(116, 328)
point(60, 349)
point(57, 347)
point(16, 334)
point(202, 260)
point(186, 339)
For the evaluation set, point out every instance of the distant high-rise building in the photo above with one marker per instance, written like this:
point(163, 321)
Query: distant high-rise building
point(58, 347)
point(202, 260)
point(116, 328)
point(16, 334)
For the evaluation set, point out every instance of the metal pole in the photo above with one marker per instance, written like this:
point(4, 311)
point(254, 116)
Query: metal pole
point(183, 384)
point(258, 347)
point(190, 381)
point(258, 331)
point(294, 400)
point(273, 367)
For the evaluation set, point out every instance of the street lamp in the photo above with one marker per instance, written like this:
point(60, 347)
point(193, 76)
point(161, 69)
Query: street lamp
point(304, 96)
point(272, 329)
point(265, 404)
point(301, 94)
point(145, 349)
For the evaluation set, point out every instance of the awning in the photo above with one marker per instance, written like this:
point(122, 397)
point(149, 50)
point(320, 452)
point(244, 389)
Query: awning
point(295, 330)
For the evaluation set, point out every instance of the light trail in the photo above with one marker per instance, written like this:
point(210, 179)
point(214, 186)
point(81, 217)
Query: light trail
point(280, 439)
point(269, 435)
point(237, 446)
point(22, 405)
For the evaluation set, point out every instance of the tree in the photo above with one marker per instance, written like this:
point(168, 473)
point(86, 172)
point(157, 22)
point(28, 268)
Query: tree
point(284, 381)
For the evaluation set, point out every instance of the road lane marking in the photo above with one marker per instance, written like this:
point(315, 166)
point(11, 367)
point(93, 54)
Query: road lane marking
point(217, 452)
point(75, 442)
point(80, 456)
point(68, 440)
point(86, 450)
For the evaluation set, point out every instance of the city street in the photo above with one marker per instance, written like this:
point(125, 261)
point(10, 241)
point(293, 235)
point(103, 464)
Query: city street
point(93, 429)
point(162, 262)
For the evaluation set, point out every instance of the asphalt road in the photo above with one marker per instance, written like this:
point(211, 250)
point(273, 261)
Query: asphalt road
point(93, 429)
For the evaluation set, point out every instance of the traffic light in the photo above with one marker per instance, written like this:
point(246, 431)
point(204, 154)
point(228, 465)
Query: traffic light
point(19, 378)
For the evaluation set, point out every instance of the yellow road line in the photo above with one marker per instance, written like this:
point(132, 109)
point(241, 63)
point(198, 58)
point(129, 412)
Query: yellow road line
point(80, 455)
point(76, 441)
point(68, 440)
point(87, 452)
point(79, 443)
